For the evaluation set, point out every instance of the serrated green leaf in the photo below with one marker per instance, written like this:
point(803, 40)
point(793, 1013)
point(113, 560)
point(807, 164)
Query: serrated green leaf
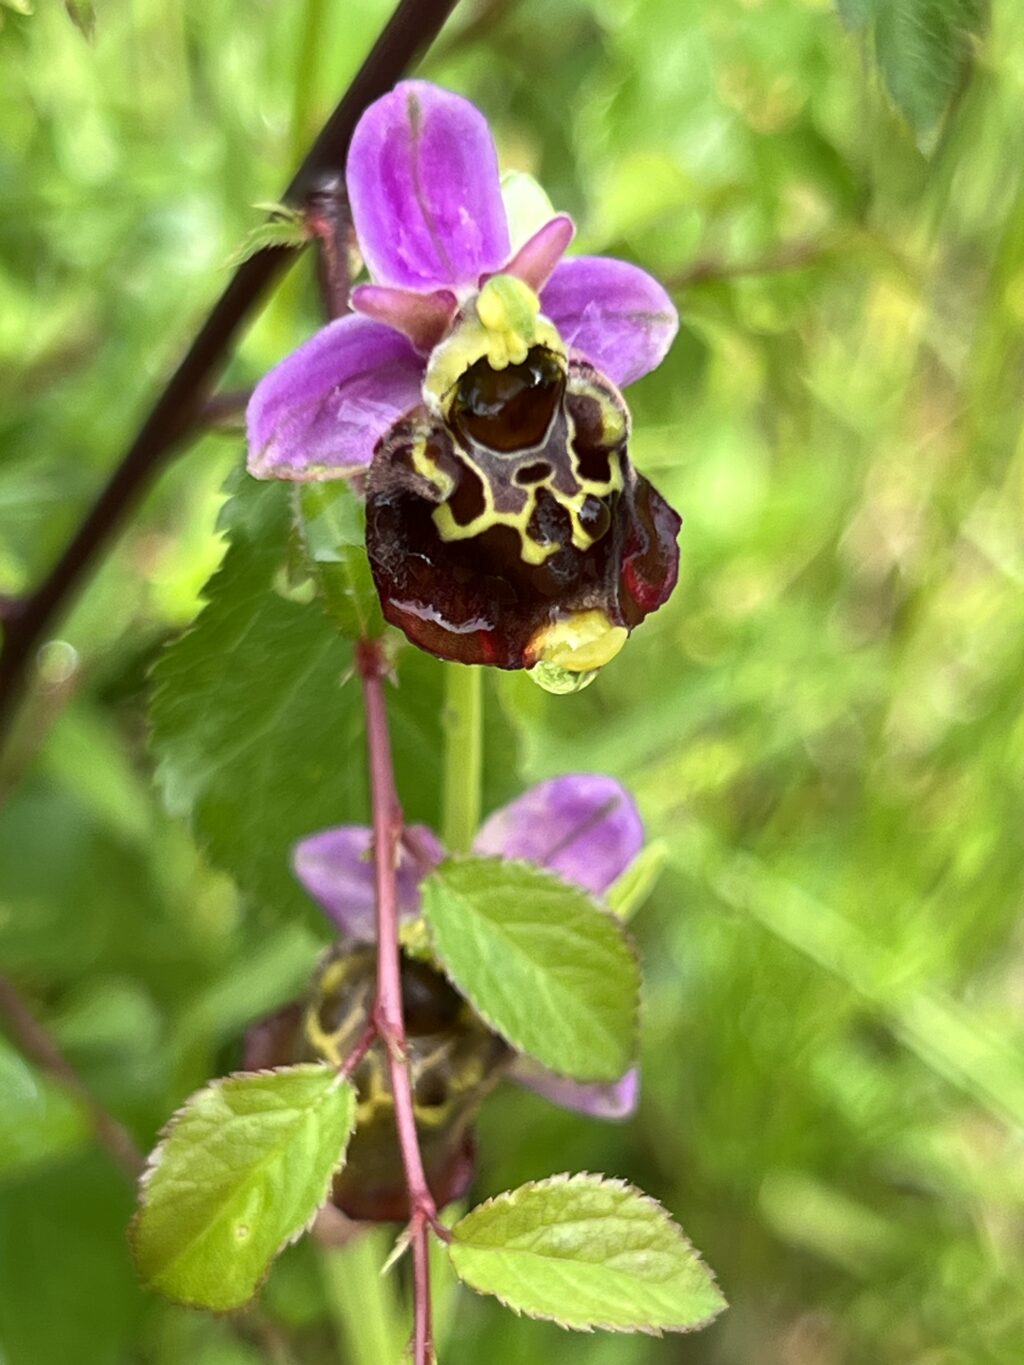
point(585, 1251)
point(241, 1171)
point(547, 967)
point(257, 724)
point(332, 524)
point(925, 51)
point(284, 227)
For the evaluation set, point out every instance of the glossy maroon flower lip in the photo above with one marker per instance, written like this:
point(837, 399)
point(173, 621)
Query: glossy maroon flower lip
point(438, 364)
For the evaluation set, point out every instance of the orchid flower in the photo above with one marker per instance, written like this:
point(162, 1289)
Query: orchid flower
point(475, 387)
point(585, 828)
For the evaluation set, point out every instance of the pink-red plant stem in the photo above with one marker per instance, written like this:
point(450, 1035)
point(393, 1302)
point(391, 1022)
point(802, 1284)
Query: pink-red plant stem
point(388, 1015)
point(350, 1065)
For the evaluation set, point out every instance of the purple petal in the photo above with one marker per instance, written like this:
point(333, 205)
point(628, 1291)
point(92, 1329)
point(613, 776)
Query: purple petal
point(424, 190)
point(423, 318)
point(616, 1100)
point(536, 259)
point(321, 411)
point(336, 868)
point(614, 313)
point(584, 827)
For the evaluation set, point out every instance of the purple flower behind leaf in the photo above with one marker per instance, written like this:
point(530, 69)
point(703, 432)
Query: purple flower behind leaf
point(477, 381)
point(584, 827)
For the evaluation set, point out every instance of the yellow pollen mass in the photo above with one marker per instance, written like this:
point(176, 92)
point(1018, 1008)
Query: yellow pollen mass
point(500, 325)
point(508, 306)
point(579, 643)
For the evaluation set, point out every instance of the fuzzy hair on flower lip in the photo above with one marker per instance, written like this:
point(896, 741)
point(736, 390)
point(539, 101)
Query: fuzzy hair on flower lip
point(447, 341)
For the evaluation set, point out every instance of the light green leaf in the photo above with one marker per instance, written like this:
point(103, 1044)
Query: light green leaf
point(332, 523)
point(285, 227)
point(83, 15)
point(585, 1251)
point(547, 967)
point(39, 1121)
point(629, 892)
point(855, 13)
point(527, 206)
point(925, 53)
point(241, 1171)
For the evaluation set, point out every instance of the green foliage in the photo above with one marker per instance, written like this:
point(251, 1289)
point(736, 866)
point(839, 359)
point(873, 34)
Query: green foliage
point(82, 14)
point(855, 13)
point(240, 1172)
point(629, 892)
point(332, 523)
point(284, 226)
point(586, 1252)
point(257, 732)
point(257, 719)
point(39, 1121)
point(64, 1265)
point(925, 51)
point(831, 1033)
point(540, 960)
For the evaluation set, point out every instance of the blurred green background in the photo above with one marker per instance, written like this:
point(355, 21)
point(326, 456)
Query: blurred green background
point(824, 725)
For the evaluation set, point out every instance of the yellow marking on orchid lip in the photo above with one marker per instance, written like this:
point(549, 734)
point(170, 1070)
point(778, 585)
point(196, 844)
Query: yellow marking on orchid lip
point(332, 976)
point(581, 539)
point(579, 643)
point(375, 1097)
point(530, 551)
point(429, 470)
point(614, 418)
point(326, 1044)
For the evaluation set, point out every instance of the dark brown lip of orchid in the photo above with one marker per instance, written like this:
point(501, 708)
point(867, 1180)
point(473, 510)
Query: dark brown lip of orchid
point(462, 564)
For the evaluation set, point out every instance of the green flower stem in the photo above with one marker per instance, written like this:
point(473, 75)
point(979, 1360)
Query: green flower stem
point(367, 1316)
point(307, 70)
point(463, 755)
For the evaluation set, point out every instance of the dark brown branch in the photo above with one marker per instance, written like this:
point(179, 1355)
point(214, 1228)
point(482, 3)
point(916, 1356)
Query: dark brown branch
point(30, 1036)
point(328, 219)
point(796, 255)
point(413, 25)
point(224, 411)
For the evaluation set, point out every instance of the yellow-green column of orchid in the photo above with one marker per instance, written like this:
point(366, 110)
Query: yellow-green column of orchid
point(463, 755)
